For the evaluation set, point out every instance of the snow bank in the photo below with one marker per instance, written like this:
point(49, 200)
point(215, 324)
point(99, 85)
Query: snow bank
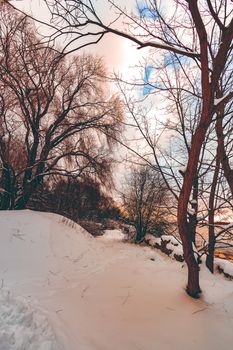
point(224, 266)
point(169, 238)
point(152, 240)
point(167, 244)
point(42, 247)
point(24, 328)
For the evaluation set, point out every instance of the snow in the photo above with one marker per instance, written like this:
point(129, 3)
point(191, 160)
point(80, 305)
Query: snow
point(115, 235)
point(172, 244)
point(61, 289)
point(170, 47)
point(191, 211)
point(183, 169)
point(178, 250)
point(152, 240)
point(225, 265)
point(218, 100)
point(170, 238)
point(21, 327)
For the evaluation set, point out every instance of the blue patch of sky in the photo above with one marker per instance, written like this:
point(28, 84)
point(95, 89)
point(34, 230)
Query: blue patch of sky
point(174, 61)
point(149, 86)
point(148, 70)
point(146, 12)
point(147, 89)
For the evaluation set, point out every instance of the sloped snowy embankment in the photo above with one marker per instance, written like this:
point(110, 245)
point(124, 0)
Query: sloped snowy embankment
point(61, 289)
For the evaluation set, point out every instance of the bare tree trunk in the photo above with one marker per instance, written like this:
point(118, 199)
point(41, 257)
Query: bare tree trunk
point(193, 287)
point(228, 172)
point(193, 217)
point(211, 245)
point(139, 232)
point(9, 186)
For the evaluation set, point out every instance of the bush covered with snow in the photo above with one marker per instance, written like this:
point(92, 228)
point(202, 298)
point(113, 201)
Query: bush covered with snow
point(225, 267)
point(168, 244)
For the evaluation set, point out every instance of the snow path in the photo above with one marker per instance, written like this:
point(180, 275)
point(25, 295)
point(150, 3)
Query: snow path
point(95, 294)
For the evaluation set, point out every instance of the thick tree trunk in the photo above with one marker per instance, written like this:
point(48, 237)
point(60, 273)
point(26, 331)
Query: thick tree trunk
point(22, 201)
point(185, 231)
point(193, 287)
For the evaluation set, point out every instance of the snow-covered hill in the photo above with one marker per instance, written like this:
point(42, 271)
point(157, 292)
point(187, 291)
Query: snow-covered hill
point(63, 289)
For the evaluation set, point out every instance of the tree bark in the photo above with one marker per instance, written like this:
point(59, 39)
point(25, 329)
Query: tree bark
point(193, 217)
point(211, 245)
point(228, 172)
point(193, 287)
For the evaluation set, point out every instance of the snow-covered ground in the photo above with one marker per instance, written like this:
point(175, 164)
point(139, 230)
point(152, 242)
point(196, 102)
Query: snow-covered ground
point(60, 288)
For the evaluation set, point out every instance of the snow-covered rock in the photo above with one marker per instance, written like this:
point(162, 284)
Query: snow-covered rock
point(167, 244)
point(224, 266)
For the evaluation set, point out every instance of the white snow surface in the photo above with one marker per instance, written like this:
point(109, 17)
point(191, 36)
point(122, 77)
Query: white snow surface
point(152, 240)
point(191, 211)
point(224, 265)
point(113, 235)
point(218, 100)
point(61, 289)
point(22, 327)
point(170, 238)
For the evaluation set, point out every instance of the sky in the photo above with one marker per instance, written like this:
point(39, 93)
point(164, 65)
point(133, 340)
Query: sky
point(119, 54)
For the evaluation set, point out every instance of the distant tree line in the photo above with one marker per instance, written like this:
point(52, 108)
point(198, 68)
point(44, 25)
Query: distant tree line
point(77, 199)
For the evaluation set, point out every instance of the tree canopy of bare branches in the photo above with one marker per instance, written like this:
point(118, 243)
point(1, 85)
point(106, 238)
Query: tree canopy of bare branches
point(144, 200)
point(57, 116)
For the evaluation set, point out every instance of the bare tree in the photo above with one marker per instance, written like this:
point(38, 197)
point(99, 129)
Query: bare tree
point(208, 197)
point(144, 200)
point(56, 114)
